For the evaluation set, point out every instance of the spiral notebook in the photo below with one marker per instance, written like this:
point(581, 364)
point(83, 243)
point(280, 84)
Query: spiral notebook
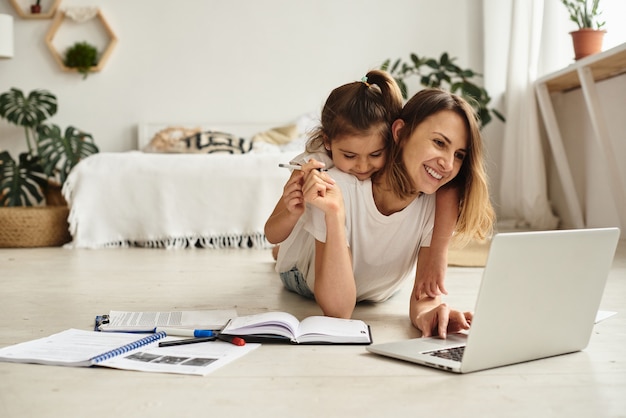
point(74, 347)
point(126, 351)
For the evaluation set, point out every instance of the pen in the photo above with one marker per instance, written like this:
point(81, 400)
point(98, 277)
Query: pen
point(186, 341)
point(292, 166)
point(298, 167)
point(181, 332)
point(231, 339)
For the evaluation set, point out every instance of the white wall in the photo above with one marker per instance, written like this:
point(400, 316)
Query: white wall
point(229, 61)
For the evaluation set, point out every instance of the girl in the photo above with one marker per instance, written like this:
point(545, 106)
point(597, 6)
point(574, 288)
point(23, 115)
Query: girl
point(354, 135)
point(370, 234)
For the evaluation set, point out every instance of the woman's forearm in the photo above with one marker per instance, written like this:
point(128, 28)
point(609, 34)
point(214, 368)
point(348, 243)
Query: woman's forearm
point(335, 288)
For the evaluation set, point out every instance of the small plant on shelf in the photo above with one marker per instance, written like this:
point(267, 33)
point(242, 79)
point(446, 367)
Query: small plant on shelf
point(584, 13)
point(36, 8)
point(82, 56)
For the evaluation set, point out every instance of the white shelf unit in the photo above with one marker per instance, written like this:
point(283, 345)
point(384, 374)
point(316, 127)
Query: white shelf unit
point(584, 74)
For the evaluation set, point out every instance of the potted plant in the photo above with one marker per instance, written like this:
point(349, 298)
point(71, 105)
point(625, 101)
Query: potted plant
point(82, 56)
point(445, 74)
point(36, 8)
point(26, 183)
point(587, 40)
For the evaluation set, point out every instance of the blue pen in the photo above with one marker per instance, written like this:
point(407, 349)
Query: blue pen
point(181, 332)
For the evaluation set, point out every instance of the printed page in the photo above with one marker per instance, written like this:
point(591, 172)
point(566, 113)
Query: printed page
point(195, 359)
point(336, 330)
point(71, 347)
point(148, 321)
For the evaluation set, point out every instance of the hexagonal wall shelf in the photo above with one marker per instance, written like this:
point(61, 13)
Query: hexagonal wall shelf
point(58, 21)
point(26, 14)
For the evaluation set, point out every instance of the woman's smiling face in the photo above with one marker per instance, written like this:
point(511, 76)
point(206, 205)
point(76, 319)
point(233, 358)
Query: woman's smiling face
point(434, 153)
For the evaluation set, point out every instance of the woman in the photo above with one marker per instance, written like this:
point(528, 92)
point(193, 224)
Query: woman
point(369, 234)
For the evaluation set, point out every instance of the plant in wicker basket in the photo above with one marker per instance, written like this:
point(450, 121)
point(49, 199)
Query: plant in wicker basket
point(51, 153)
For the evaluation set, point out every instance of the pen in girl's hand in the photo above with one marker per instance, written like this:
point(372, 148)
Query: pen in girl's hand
point(291, 166)
point(186, 341)
point(298, 167)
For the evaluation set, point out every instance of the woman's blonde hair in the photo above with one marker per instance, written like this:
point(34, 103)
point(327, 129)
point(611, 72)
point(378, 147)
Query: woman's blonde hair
point(476, 215)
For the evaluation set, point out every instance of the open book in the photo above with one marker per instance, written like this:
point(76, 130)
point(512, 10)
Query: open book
point(79, 348)
point(284, 327)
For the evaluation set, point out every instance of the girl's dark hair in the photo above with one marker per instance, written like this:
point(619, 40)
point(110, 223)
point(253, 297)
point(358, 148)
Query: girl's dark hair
point(357, 108)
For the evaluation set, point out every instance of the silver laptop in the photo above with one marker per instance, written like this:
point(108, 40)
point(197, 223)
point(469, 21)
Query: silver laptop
point(539, 296)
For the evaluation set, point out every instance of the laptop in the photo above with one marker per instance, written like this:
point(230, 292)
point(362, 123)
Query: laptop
point(538, 298)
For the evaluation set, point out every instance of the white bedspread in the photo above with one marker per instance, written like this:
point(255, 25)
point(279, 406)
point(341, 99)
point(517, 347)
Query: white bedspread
point(173, 200)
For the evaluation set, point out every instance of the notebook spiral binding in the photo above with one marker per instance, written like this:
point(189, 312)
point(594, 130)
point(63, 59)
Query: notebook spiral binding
point(128, 347)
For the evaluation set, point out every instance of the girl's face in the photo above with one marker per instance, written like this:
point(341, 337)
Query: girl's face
point(359, 155)
point(434, 153)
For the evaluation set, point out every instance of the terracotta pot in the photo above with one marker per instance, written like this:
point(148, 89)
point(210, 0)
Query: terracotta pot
point(587, 42)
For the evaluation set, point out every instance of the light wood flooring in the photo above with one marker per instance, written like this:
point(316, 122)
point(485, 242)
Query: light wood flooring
point(47, 290)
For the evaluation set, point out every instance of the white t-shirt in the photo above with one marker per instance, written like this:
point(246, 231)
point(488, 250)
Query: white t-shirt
point(384, 248)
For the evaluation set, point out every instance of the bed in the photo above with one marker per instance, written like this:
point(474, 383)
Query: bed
point(218, 195)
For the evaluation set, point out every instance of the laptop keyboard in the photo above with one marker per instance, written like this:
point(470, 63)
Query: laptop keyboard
point(455, 353)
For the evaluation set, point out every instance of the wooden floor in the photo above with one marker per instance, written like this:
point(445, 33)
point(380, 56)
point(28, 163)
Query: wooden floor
point(47, 290)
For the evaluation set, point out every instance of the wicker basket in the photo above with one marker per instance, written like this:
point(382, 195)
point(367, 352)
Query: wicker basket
point(23, 227)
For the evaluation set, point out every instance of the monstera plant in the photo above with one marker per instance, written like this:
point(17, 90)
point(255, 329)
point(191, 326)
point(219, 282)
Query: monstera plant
point(51, 153)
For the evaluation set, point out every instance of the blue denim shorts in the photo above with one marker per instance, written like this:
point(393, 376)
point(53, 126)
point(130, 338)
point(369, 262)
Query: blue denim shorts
point(294, 281)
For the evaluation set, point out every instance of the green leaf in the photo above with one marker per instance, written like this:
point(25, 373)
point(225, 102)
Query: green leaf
point(21, 183)
point(385, 65)
point(432, 64)
point(61, 152)
point(27, 111)
point(403, 89)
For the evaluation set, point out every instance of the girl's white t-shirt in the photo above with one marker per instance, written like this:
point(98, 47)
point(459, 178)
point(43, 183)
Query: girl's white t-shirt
point(384, 248)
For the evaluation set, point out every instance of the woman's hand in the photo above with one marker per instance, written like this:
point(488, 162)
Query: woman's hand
point(433, 317)
point(320, 190)
point(441, 320)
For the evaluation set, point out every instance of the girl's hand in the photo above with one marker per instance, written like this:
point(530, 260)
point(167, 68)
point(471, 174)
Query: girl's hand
point(431, 273)
point(293, 198)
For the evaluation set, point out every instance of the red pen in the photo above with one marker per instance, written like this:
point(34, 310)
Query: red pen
point(231, 339)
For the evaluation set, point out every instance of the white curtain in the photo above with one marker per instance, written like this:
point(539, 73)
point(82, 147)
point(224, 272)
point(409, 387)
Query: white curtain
point(531, 53)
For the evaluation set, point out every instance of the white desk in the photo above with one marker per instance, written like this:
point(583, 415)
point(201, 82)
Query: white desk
point(584, 74)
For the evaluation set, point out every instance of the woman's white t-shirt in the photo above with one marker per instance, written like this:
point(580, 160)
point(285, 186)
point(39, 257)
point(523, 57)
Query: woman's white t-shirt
point(384, 248)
